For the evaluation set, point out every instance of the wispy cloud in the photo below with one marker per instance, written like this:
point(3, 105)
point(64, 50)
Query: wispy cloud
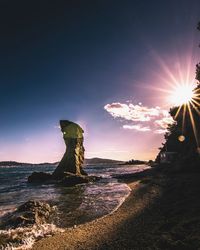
point(106, 151)
point(137, 127)
point(57, 127)
point(155, 118)
point(164, 122)
point(160, 131)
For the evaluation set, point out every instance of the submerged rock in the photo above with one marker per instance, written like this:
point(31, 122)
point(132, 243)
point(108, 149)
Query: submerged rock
point(30, 213)
point(68, 179)
point(72, 179)
point(39, 177)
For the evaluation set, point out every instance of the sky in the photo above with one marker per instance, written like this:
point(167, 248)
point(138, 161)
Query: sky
point(107, 65)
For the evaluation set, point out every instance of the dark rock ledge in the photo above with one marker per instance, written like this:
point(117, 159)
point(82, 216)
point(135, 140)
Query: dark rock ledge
point(68, 180)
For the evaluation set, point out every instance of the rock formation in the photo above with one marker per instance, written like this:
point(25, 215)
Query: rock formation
point(73, 158)
point(69, 171)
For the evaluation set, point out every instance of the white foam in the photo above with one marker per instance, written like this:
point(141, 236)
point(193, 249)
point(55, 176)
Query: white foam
point(27, 235)
point(121, 200)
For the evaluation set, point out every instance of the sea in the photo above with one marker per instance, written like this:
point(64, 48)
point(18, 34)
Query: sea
point(74, 205)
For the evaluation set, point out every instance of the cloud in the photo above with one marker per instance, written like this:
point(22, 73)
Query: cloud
point(107, 151)
point(155, 118)
point(160, 131)
point(137, 127)
point(164, 122)
point(57, 127)
point(132, 112)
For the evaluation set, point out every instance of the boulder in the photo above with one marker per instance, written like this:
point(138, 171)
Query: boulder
point(30, 213)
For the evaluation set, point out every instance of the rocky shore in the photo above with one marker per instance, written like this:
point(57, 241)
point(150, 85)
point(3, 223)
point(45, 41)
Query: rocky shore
point(162, 212)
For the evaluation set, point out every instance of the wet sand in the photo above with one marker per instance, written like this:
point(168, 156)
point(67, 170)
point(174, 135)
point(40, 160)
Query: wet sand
point(162, 212)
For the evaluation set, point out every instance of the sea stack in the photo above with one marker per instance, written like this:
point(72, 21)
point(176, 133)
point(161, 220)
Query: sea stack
point(73, 157)
point(69, 172)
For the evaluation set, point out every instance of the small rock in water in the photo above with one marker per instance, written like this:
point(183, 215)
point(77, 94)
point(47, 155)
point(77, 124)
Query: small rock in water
point(39, 177)
point(72, 179)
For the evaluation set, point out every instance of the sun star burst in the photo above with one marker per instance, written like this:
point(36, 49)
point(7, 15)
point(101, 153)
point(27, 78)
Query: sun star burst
point(182, 94)
point(187, 97)
point(176, 88)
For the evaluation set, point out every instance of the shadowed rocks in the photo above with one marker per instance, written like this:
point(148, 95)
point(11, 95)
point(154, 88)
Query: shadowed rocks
point(39, 177)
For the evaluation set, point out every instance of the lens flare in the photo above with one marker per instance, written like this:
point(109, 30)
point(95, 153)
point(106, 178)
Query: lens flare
point(177, 89)
point(181, 138)
point(182, 94)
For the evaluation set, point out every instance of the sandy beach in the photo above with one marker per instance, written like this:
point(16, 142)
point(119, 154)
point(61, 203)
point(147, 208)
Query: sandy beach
point(160, 213)
point(97, 234)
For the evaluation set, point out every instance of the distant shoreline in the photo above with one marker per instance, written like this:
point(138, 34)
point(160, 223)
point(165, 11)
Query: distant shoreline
point(91, 161)
point(87, 162)
point(15, 163)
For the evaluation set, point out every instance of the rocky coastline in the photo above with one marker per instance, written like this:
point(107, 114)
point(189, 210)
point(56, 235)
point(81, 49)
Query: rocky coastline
point(160, 213)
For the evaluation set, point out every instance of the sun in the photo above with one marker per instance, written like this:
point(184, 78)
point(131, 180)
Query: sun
point(182, 94)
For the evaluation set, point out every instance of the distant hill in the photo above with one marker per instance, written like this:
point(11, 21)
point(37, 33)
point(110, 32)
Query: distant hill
point(92, 161)
point(95, 161)
point(15, 163)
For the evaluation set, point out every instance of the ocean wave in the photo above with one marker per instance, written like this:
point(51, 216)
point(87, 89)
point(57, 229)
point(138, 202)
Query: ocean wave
point(25, 237)
point(76, 205)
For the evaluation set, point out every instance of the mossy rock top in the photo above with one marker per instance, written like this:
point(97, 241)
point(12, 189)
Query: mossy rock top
point(71, 129)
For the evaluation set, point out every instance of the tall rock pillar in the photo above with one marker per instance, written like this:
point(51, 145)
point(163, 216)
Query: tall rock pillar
point(73, 158)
